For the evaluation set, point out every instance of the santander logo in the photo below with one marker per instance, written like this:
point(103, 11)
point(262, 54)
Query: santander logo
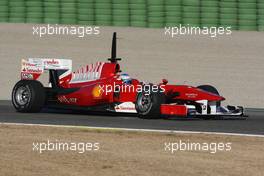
point(31, 70)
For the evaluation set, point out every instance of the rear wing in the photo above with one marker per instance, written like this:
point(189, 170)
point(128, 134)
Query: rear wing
point(32, 68)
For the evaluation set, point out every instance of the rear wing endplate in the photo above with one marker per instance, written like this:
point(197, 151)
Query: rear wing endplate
point(32, 68)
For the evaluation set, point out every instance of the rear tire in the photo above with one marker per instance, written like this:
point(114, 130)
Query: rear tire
point(28, 96)
point(148, 104)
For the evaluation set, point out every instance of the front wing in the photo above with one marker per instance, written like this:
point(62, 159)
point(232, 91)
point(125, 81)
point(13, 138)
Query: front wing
point(208, 110)
point(190, 111)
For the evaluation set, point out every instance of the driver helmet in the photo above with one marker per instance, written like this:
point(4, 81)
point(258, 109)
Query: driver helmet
point(126, 78)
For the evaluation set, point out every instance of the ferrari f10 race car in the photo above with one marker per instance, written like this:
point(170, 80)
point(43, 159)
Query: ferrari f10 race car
point(103, 87)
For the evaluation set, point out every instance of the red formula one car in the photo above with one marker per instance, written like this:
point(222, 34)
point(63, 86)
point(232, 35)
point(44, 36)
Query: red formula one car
point(103, 87)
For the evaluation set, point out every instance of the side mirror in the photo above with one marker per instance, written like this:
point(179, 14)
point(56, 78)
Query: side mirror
point(164, 81)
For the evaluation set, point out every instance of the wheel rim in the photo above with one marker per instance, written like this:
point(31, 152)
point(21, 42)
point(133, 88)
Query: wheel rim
point(22, 95)
point(144, 102)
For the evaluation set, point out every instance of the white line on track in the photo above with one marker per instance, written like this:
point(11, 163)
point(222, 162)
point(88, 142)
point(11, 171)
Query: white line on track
point(136, 130)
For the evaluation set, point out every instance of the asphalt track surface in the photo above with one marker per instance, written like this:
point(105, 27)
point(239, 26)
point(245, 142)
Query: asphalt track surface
point(254, 124)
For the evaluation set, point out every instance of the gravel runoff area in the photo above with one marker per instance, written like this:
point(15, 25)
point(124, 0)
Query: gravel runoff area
point(124, 153)
point(233, 63)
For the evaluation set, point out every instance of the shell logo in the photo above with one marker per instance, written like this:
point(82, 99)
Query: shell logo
point(97, 92)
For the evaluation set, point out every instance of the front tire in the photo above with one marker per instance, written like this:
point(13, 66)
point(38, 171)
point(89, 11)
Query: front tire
point(28, 96)
point(148, 104)
point(211, 89)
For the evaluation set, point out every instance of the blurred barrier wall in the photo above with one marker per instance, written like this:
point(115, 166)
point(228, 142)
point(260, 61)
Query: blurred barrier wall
point(239, 14)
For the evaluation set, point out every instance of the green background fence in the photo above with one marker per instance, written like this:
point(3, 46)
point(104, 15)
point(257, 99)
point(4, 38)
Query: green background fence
point(239, 14)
